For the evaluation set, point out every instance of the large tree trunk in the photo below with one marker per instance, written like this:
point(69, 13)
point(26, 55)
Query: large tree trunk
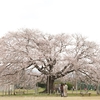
point(50, 84)
point(98, 91)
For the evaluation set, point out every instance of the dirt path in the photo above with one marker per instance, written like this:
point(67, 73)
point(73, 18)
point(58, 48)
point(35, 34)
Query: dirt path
point(50, 98)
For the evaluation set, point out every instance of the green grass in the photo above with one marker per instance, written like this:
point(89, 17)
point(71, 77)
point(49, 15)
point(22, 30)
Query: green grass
point(32, 93)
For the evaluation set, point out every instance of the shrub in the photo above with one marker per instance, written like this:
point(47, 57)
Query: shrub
point(42, 85)
point(69, 86)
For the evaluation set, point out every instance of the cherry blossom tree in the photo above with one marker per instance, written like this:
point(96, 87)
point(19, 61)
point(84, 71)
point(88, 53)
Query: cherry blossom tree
point(52, 55)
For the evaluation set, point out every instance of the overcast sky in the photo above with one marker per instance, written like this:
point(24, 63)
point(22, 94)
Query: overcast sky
point(52, 16)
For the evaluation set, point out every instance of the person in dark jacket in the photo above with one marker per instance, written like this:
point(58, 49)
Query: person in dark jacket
point(61, 89)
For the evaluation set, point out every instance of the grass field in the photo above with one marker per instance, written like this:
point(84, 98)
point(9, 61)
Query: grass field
point(75, 95)
point(50, 98)
point(22, 92)
point(71, 96)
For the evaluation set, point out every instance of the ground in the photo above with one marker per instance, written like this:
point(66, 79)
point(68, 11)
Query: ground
point(51, 98)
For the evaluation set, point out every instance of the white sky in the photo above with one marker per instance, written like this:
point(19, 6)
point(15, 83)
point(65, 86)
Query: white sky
point(52, 16)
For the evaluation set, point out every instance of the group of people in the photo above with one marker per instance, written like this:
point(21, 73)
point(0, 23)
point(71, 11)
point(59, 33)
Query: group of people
point(62, 89)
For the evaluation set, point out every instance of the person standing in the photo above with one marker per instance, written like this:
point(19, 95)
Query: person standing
point(73, 88)
point(61, 90)
point(65, 89)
